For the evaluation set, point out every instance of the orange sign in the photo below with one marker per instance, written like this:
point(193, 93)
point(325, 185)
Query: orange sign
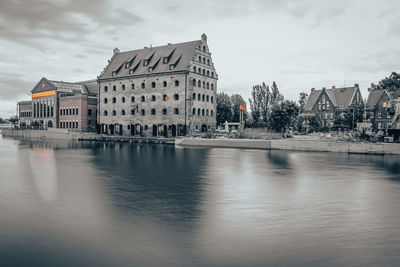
point(242, 107)
point(43, 94)
point(385, 104)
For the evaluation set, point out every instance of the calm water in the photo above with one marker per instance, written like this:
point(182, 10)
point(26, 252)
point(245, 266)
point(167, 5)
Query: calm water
point(95, 204)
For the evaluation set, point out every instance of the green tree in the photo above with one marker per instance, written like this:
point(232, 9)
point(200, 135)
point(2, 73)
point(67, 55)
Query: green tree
point(224, 108)
point(276, 96)
point(391, 83)
point(236, 101)
point(284, 115)
point(256, 104)
point(302, 101)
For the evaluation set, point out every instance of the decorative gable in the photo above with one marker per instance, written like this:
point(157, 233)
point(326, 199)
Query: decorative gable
point(42, 86)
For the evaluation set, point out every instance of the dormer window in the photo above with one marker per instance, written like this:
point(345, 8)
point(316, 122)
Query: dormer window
point(165, 60)
point(145, 62)
point(151, 69)
point(114, 73)
point(172, 66)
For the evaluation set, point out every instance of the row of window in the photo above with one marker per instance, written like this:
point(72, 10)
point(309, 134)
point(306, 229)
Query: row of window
point(69, 111)
point(203, 112)
point(204, 60)
point(203, 98)
point(25, 114)
point(323, 106)
point(41, 110)
point(143, 85)
point(203, 71)
point(326, 116)
point(69, 124)
point(143, 98)
point(205, 85)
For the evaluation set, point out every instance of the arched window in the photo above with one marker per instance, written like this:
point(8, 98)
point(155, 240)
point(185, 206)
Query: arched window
point(200, 59)
point(204, 60)
point(164, 97)
point(123, 112)
point(153, 84)
point(208, 98)
point(123, 99)
point(212, 99)
point(176, 96)
point(143, 85)
point(114, 100)
point(198, 111)
point(133, 111)
point(207, 112)
point(194, 96)
point(204, 72)
point(202, 112)
point(198, 97)
point(132, 99)
point(176, 83)
point(208, 73)
point(105, 88)
point(204, 84)
point(212, 112)
point(200, 70)
point(143, 98)
point(105, 100)
point(153, 98)
point(199, 83)
point(143, 112)
point(164, 83)
point(123, 87)
point(153, 111)
point(176, 111)
point(194, 111)
point(194, 69)
point(114, 113)
point(212, 86)
point(204, 48)
point(194, 82)
point(164, 111)
point(208, 61)
point(105, 113)
point(212, 74)
point(114, 88)
point(132, 86)
point(203, 98)
point(208, 85)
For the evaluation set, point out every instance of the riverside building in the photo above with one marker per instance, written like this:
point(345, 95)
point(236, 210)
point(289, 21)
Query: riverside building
point(159, 91)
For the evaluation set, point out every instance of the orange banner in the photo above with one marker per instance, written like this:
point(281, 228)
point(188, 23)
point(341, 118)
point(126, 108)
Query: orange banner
point(242, 107)
point(43, 94)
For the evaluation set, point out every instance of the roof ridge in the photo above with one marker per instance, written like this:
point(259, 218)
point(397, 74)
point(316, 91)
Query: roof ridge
point(154, 47)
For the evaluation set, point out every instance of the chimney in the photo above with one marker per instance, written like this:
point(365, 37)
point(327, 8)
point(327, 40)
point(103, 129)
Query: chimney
point(116, 51)
point(151, 46)
point(312, 90)
point(333, 87)
point(356, 85)
point(323, 88)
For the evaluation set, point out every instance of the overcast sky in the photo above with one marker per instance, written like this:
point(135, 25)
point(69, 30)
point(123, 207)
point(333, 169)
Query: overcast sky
point(298, 43)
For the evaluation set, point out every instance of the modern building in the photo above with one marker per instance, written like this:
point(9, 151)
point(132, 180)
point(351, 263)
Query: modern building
point(58, 104)
point(159, 91)
point(328, 104)
point(377, 107)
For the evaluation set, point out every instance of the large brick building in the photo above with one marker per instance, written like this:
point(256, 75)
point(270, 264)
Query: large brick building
point(377, 107)
point(57, 104)
point(328, 104)
point(160, 91)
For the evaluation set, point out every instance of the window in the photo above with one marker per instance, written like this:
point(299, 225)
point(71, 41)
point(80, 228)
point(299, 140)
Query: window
point(208, 62)
point(123, 112)
point(212, 112)
point(164, 111)
point(143, 112)
point(204, 48)
point(212, 74)
point(204, 60)
point(379, 115)
point(153, 85)
point(77, 112)
point(207, 112)
point(198, 97)
point(123, 87)
point(194, 96)
point(132, 86)
point(199, 70)
point(73, 124)
point(143, 85)
point(176, 83)
point(194, 82)
point(204, 72)
point(164, 83)
point(204, 84)
point(176, 111)
point(133, 111)
point(153, 111)
point(194, 69)
point(132, 99)
point(208, 85)
point(123, 99)
point(105, 113)
point(114, 88)
point(203, 98)
point(176, 97)
point(212, 86)
point(212, 99)
point(114, 100)
point(194, 111)
point(202, 112)
point(76, 124)
point(198, 111)
point(200, 59)
point(153, 98)
point(208, 73)
point(164, 97)
point(105, 88)
point(143, 98)
point(319, 105)
point(327, 105)
point(208, 98)
point(105, 100)
point(199, 83)
point(114, 113)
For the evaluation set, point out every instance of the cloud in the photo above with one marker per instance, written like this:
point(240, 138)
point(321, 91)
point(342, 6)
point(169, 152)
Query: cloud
point(12, 87)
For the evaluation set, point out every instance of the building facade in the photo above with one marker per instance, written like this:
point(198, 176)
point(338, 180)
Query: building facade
point(328, 104)
point(57, 104)
point(159, 91)
point(378, 108)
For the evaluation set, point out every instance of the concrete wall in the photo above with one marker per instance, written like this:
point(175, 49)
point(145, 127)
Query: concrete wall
point(229, 143)
point(259, 133)
point(44, 134)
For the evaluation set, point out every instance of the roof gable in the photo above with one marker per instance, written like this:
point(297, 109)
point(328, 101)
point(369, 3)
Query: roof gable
point(374, 97)
point(43, 85)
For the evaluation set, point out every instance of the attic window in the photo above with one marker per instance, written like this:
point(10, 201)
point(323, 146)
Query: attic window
point(172, 66)
point(167, 58)
point(114, 73)
point(151, 69)
point(145, 62)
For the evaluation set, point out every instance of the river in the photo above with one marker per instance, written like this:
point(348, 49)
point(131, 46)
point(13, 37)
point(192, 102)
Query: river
point(113, 204)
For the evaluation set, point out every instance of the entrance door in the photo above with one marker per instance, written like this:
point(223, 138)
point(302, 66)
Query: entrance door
point(173, 130)
point(111, 129)
point(165, 131)
point(154, 130)
point(133, 129)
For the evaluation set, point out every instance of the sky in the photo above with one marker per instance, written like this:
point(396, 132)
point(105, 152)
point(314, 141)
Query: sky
point(300, 44)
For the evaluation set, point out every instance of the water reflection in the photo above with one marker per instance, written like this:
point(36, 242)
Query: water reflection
point(110, 204)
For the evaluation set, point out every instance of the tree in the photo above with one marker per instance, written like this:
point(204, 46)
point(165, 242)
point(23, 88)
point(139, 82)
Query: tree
point(256, 104)
point(391, 83)
point(236, 101)
point(302, 101)
point(224, 108)
point(276, 96)
point(284, 115)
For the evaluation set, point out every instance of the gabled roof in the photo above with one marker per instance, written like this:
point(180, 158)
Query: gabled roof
point(340, 97)
point(374, 97)
point(85, 87)
point(167, 58)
